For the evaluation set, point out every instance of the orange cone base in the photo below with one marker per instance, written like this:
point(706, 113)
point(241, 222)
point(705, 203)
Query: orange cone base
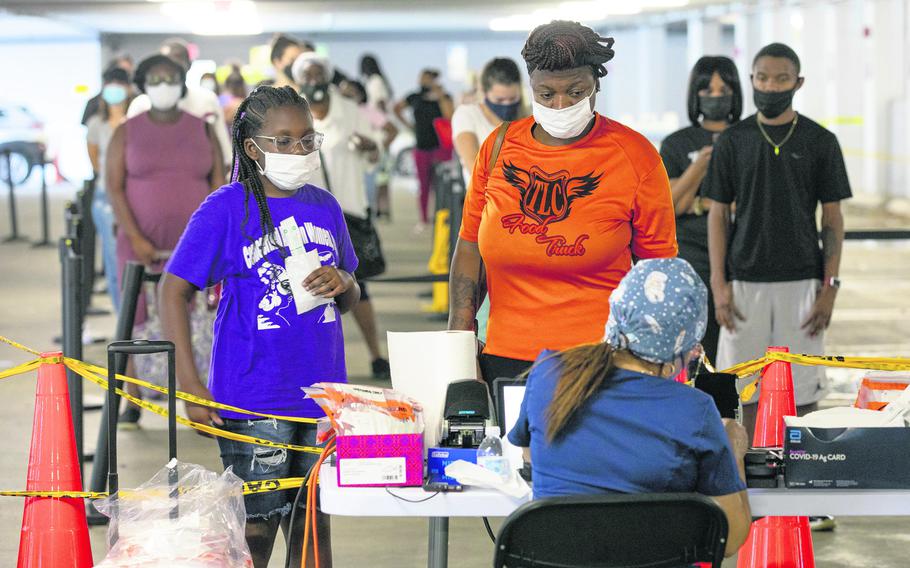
point(54, 531)
point(778, 542)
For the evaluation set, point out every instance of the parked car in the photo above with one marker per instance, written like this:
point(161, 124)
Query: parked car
point(22, 135)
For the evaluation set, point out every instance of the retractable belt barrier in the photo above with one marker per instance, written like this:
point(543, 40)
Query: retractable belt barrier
point(96, 375)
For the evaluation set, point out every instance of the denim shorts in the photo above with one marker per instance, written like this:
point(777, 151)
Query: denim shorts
point(256, 463)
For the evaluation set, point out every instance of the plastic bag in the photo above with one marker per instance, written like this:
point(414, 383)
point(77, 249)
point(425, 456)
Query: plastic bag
point(194, 519)
point(358, 410)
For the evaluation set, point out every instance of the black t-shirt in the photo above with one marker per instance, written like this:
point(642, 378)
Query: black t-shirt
point(678, 151)
point(775, 235)
point(425, 112)
point(681, 148)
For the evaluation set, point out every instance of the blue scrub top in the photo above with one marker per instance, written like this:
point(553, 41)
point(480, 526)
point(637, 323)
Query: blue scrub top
point(638, 434)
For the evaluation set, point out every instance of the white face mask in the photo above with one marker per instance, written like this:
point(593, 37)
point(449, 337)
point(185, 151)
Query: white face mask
point(164, 96)
point(566, 122)
point(289, 172)
point(209, 84)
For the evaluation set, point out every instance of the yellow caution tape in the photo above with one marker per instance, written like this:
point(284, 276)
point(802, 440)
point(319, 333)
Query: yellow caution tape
point(161, 411)
point(749, 391)
point(101, 371)
point(249, 488)
point(748, 368)
point(872, 363)
point(19, 346)
point(20, 369)
point(56, 494)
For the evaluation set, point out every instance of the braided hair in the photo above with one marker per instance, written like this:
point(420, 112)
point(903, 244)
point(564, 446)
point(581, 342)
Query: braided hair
point(248, 123)
point(562, 45)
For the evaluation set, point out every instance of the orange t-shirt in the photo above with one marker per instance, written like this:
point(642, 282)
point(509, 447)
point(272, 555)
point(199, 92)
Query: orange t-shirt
point(557, 227)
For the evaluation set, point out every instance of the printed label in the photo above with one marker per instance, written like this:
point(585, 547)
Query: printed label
point(371, 471)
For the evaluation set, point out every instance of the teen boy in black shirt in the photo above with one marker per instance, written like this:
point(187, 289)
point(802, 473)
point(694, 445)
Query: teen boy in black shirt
point(772, 283)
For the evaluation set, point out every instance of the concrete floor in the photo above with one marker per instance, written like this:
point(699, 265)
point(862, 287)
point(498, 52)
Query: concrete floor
point(871, 318)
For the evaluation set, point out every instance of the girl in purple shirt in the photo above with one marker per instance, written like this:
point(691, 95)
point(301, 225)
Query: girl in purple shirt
point(264, 351)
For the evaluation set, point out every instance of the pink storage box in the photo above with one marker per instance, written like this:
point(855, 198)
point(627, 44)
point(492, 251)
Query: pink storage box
point(379, 461)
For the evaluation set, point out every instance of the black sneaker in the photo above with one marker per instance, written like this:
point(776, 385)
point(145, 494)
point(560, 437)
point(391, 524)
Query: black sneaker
point(129, 418)
point(381, 370)
point(822, 524)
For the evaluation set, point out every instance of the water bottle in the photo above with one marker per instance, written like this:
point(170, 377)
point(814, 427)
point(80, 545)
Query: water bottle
point(489, 453)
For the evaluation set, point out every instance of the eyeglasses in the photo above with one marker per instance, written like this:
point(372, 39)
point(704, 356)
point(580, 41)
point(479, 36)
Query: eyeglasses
point(288, 144)
point(160, 80)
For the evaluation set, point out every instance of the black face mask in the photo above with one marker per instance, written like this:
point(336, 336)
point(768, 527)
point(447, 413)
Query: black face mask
point(715, 108)
point(504, 112)
point(287, 72)
point(315, 93)
point(772, 103)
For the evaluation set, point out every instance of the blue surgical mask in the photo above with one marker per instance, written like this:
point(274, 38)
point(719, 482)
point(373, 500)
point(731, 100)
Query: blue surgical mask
point(503, 111)
point(113, 94)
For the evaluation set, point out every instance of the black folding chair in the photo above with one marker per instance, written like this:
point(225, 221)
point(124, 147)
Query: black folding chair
point(613, 531)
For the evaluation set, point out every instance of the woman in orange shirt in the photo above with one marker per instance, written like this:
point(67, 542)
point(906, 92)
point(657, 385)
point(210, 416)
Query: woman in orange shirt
point(571, 198)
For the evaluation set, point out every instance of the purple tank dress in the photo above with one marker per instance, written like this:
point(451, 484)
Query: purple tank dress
point(167, 178)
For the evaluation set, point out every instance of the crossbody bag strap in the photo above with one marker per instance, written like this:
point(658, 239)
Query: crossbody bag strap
point(481, 288)
point(325, 172)
point(497, 145)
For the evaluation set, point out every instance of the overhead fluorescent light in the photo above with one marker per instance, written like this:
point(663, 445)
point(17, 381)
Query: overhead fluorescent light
point(221, 17)
point(589, 11)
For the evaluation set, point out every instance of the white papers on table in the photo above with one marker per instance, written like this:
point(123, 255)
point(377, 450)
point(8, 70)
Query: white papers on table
point(423, 364)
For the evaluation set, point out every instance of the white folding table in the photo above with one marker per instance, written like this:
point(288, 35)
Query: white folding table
point(474, 502)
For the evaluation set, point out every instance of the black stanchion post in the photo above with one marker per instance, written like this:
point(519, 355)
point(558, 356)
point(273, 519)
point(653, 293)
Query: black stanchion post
point(13, 216)
point(71, 264)
point(87, 246)
point(45, 223)
point(133, 276)
point(172, 427)
point(112, 401)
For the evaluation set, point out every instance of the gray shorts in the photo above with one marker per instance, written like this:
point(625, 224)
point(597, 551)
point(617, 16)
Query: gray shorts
point(256, 463)
point(774, 313)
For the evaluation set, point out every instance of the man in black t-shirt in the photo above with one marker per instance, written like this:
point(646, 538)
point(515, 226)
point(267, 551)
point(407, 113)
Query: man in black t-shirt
point(772, 283)
point(427, 104)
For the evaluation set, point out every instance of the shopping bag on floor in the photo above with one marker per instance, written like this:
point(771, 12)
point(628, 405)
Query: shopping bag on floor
point(185, 516)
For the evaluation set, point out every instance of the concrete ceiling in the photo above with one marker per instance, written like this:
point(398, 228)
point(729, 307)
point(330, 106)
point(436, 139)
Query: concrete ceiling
point(226, 17)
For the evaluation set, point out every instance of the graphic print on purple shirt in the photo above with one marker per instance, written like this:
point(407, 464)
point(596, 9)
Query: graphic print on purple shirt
point(263, 351)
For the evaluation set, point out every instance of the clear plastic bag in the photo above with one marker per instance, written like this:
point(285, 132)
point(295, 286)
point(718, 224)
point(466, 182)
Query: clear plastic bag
point(353, 410)
point(185, 516)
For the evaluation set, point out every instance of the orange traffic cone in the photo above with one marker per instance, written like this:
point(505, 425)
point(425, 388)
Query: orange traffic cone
point(778, 542)
point(54, 531)
point(775, 401)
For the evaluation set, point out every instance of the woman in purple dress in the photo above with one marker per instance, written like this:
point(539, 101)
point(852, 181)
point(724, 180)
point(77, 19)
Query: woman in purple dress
point(161, 165)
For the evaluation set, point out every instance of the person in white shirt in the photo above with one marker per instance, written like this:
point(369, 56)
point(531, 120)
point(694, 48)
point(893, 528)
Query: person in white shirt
point(379, 93)
point(350, 149)
point(500, 83)
point(198, 101)
point(284, 51)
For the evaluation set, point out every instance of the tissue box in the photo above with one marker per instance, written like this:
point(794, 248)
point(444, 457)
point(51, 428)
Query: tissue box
point(381, 460)
point(439, 458)
point(847, 458)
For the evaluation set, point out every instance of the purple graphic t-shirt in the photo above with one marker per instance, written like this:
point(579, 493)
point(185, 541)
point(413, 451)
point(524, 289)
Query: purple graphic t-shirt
point(263, 351)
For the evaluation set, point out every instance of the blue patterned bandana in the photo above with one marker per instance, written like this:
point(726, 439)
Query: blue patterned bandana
point(659, 310)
